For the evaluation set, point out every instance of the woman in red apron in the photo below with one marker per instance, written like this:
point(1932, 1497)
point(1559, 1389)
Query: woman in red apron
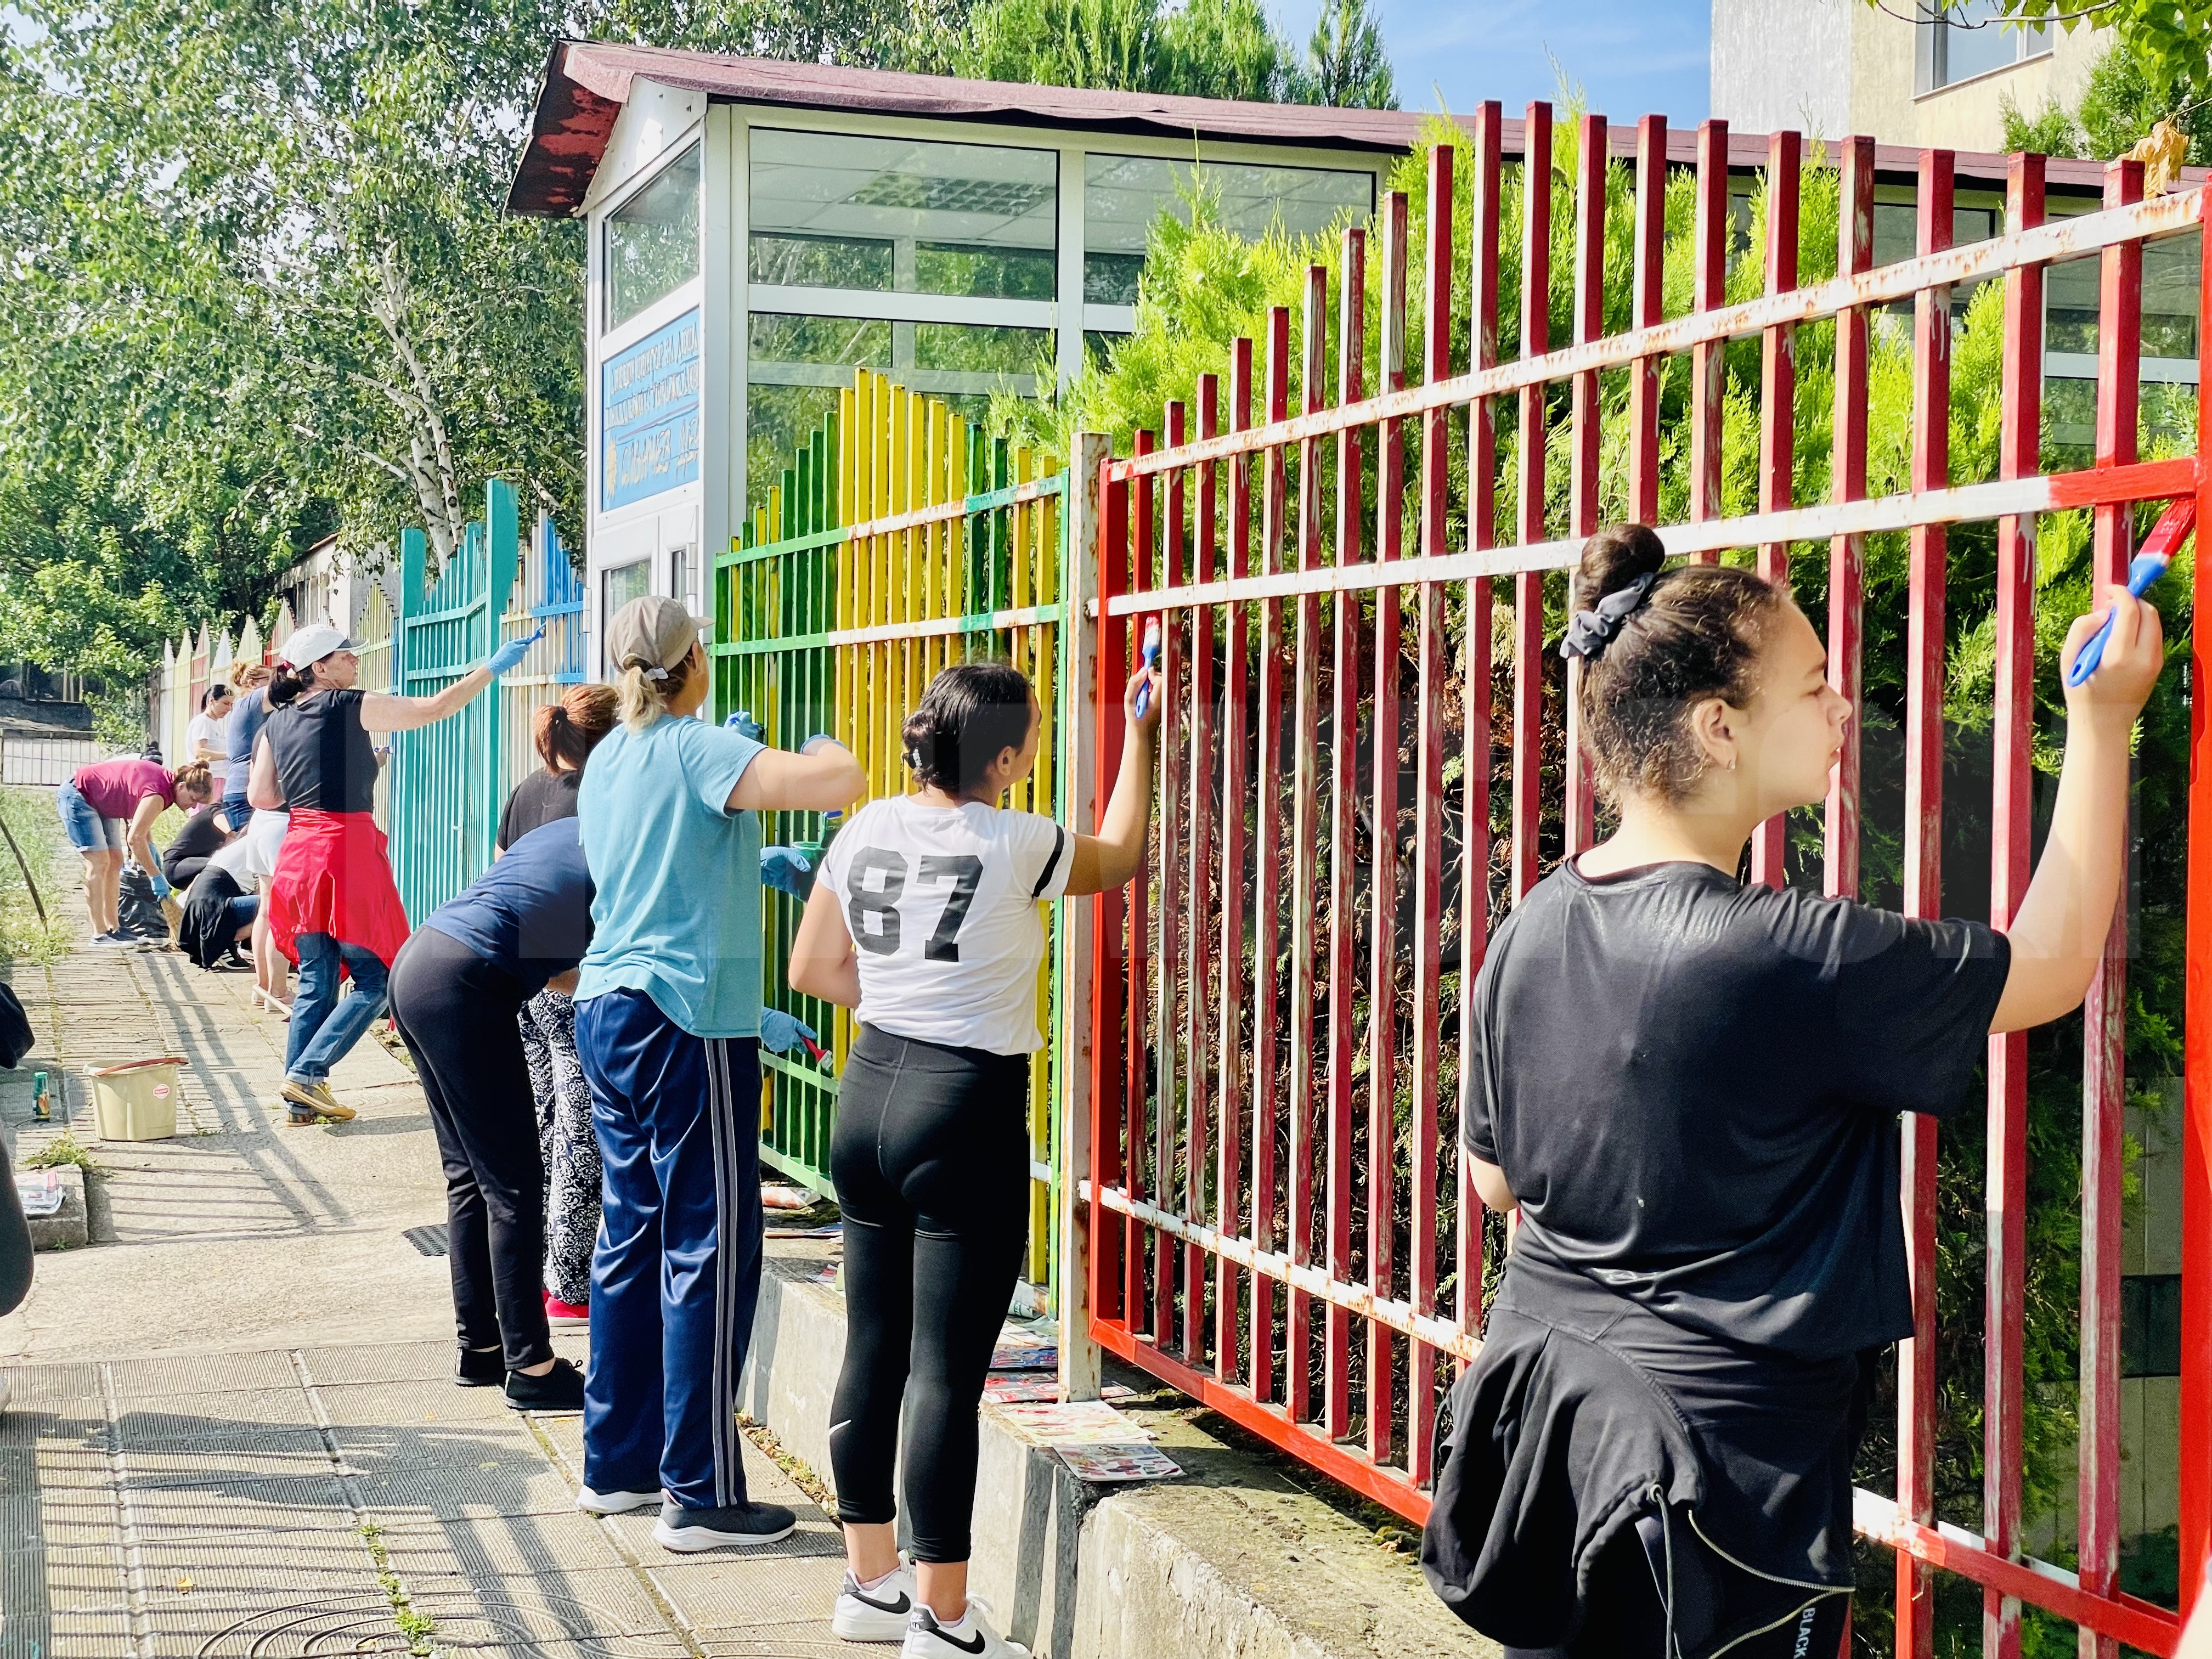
point(332, 907)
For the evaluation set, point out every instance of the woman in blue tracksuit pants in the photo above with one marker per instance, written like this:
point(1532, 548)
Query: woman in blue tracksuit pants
point(668, 1008)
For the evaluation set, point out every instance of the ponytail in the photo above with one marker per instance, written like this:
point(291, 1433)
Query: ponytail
point(195, 778)
point(288, 685)
point(641, 699)
point(566, 732)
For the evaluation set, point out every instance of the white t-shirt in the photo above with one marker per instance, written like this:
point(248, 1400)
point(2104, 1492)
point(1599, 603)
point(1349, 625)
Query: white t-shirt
point(206, 729)
point(942, 904)
point(252, 856)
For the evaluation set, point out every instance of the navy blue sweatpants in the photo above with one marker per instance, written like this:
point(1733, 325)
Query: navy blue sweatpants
point(676, 1277)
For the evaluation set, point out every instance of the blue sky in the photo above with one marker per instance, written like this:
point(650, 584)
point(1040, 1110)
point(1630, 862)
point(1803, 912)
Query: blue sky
point(1632, 56)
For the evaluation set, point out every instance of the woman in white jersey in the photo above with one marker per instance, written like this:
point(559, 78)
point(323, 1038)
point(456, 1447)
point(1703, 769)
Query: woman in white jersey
point(925, 918)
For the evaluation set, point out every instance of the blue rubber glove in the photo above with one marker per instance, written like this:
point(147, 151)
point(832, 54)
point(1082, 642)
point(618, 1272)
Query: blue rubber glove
point(508, 655)
point(781, 1032)
point(161, 883)
point(787, 871)
point(745, 726)
point(807, 748)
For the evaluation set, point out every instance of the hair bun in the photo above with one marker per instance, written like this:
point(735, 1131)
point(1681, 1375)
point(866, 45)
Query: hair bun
point(1615, 557)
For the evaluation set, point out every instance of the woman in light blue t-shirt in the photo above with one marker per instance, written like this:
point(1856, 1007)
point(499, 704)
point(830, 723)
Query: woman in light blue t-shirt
point(668, 1008)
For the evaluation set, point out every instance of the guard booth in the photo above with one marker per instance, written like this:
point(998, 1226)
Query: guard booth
point(760, 230)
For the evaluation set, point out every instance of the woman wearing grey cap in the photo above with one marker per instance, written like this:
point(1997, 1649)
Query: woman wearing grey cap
point(668, 1010)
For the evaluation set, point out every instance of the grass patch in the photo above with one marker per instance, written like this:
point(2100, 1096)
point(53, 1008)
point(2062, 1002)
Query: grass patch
point(65, 1148)
point(36, 827)
point(415, 1624)
point(802, 1474)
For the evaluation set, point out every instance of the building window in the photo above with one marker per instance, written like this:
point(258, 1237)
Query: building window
point(653, 239)
point(895, 216)
point(1965, 39)
point(625, 582)
point(1123, 194)
point(796, 366)
point(2150, 1325)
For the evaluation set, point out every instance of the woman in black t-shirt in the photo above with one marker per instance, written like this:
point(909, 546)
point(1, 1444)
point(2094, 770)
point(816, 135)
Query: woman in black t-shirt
point(1688, 1087)
point(565, 732)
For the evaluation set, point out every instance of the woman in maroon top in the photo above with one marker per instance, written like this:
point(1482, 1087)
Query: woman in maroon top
point(112, 804)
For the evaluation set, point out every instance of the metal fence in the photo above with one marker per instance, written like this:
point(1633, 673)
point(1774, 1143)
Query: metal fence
point(43, 762)
point(447, 784)
point(552, 597)
point(1280, 1221)
point(900, 540)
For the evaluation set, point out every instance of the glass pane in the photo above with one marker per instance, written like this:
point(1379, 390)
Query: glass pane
point(1976, 41)
point(838, 210)
point(653, 239)
point(2169, 301)
point(623, 583)
point(1123, 194)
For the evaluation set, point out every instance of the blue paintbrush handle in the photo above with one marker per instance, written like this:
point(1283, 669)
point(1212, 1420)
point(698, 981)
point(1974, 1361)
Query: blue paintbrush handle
point(1152, 655)
point(2141, 573)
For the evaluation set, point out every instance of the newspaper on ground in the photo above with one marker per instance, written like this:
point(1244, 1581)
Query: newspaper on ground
point(1088, 1422)
point(1102, 1464)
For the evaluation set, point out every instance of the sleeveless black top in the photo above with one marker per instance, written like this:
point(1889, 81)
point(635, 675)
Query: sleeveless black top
point(325, 761)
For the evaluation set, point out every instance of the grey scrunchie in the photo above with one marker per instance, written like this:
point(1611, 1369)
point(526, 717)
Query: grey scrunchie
point(1591, 631)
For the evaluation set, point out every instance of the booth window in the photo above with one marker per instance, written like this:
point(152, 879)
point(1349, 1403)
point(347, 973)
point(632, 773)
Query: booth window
point(625, 582)
point(895, 216)
point(1963, 38)
point(796, 366)
point(1123, 194)
point(653, 239)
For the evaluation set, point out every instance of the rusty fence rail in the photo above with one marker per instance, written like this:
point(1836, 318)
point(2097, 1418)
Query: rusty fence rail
point(1366, 772)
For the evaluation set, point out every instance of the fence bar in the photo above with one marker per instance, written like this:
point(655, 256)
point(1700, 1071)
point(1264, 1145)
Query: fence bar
point(1584, 435)
point(1170, 1063)
point(1305, 847)
point(1709, 265)
point(1847, 552)
point(1528, 587)
point(1268, 1003)
point(1382, 880)
point(1433, 647)
point(1924, 855)
point(1648, 308)
point(1343, 774)
point(1476, 682)
point(2104, 1038)
point(2195, 1477)
point(1235, 779)
point(1199, 770)
point(1135, 558)
point(1776, 423)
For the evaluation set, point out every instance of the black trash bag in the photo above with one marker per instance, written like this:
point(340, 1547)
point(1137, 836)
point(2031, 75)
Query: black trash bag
point(138, 912)
point(15, 1038)
point(14, 1239)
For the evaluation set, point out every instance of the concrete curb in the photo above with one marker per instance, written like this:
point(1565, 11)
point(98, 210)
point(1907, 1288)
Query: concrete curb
point(69, 1227)
point(1234, 1560)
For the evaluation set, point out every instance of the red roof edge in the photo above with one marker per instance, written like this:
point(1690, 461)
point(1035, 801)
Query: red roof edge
point(587, 84)
point(570, 129)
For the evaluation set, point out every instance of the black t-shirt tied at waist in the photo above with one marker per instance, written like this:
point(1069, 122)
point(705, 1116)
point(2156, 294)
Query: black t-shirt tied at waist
point(325, 760)
point(1691, 1087)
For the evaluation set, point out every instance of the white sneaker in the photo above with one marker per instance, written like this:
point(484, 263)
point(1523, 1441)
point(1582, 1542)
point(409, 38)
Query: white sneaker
point(877, 1613)
point(972, 1637)
point(613, 1503)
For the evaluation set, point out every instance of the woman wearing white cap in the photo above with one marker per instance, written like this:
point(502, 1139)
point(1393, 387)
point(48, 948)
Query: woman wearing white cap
point(668, 1023)
point(333, 906)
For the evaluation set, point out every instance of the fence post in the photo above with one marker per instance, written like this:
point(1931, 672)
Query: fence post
point(1078, 682)
point(502, 531)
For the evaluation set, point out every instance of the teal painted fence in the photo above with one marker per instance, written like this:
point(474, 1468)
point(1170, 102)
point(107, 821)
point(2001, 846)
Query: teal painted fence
point(447, 786)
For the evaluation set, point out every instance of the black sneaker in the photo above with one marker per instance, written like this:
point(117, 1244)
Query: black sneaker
point(480, 1369)
point(560, 1389)
point(691, 1530)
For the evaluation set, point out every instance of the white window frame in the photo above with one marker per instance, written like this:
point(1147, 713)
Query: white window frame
point(1931, 48)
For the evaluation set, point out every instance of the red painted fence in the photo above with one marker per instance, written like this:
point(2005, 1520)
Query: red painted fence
point(1276, 1199)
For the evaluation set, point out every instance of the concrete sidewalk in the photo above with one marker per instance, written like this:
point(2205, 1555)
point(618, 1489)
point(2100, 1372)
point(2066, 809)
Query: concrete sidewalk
point(233, 1431)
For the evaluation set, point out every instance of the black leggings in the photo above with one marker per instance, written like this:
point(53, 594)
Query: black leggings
point(456, 1014)
point(931, 1161)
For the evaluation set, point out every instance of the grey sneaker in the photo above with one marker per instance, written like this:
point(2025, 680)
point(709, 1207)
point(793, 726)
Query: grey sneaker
point(692, 1530)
